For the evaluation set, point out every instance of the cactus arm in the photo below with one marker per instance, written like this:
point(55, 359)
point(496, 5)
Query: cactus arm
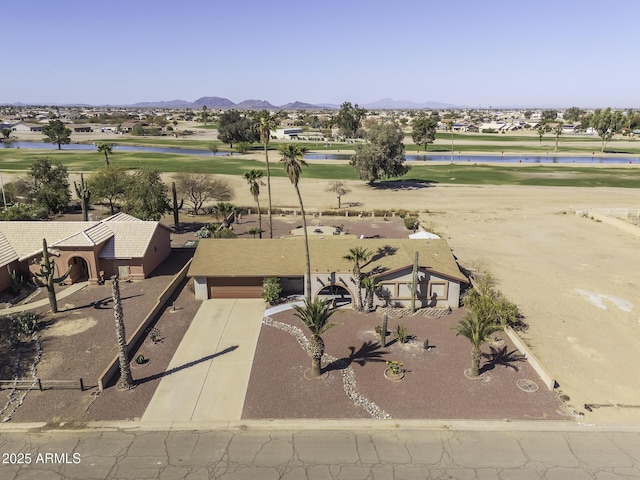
point(63, 277)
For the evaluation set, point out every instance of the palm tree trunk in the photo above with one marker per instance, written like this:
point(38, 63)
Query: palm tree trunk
point(315, 349)
point(306, 244)
point(259, 218)
point(266, 159)
point(125, 369)
point(476, 356)
point(356, 273)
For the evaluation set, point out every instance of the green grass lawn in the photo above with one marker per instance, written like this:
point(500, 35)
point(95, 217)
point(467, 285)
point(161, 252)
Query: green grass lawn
point(463, 174)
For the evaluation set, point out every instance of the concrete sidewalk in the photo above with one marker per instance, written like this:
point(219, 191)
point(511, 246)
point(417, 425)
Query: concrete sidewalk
point(71, 289)
point(208, 376)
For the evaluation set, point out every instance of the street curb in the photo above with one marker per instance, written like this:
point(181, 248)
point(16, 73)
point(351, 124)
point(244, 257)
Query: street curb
point(310, 425)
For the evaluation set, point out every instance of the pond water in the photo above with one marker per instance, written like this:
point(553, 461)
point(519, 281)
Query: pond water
point(458, 159)
point(122, 148)
point(341, 156)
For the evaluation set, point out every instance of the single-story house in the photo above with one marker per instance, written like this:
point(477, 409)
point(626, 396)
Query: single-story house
point(94, 250)
point(82, 129)
point(237, 268)
point(27, 127)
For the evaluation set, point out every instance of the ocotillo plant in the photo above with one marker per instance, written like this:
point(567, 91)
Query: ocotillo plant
point(48, 278)
point(175, 206)
point(84, 194)
point(126, 380)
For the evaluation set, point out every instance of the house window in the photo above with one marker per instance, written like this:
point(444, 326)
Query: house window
point(439, 289)
point(388, 290)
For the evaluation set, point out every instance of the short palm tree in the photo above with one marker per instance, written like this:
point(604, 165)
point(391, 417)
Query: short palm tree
point(293, 163)
point(315, 315)
point(253, 178)
point(358, 255)
point(477, 330)
point(106, 149)
point(266, 122)
point(369, 284)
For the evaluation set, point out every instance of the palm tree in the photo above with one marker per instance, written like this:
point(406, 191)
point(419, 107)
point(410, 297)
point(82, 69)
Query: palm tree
point(106, 149)
point(125, 369)
point(477, 330)
point(557, 131)
point(369, 284)
point(293, 162)
point(315, 315)
point(358, 255)
point(265, 124)
point(253, 178)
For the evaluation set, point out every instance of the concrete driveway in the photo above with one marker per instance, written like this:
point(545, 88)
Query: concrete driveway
point(208, 375)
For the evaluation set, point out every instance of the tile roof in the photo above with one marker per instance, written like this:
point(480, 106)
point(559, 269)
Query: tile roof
point(7, 253)
point(128, 242)
point(286, 257)
point(21, 240)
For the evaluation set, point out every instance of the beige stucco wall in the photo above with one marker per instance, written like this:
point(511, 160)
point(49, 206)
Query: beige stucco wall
point(158, 250)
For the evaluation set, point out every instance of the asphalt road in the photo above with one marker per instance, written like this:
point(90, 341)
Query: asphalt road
point(372, 453)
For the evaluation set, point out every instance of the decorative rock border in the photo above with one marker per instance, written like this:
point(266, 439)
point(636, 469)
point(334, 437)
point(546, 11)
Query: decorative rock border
point(527, 385)
point(348, 375)
point(395, 312)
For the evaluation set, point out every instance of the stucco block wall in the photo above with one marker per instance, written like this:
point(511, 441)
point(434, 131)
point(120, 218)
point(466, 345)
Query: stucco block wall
point(200, 288)
point(158, 250)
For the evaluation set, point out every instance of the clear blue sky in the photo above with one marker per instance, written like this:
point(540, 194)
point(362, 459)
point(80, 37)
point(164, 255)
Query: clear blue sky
point(467, 52)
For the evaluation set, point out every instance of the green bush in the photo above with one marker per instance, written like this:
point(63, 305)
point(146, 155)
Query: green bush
point(271, 290)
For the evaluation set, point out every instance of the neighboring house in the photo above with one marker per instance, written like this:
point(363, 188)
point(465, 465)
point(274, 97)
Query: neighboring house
point(95, 250)
point(82, 129)
point(286, 133)
point(237, 268)
point(27, 127)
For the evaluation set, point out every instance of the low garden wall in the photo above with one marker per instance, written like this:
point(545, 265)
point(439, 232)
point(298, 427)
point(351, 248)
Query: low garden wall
point(139, 333)
point(531, 358)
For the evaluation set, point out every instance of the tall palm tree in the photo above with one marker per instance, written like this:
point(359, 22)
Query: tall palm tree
point(477, 330)
point(293, 162)
point(315, 315)
point(358, 255)
point(125, 369)
point(266, 122)
point(106, 149)
point(253, 178)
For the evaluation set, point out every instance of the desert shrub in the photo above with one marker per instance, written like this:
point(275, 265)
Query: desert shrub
point(204, 232)
point(224, 233)
point(271, 290)
point(411, 223)
point(25, 324)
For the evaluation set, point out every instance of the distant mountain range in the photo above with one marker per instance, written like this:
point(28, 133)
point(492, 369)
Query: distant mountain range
point(217, 103)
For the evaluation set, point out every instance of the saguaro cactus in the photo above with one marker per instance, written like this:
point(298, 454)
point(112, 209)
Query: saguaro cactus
point(175, 206)
point(84, 194)
point(47, 276)
point(126, 380)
